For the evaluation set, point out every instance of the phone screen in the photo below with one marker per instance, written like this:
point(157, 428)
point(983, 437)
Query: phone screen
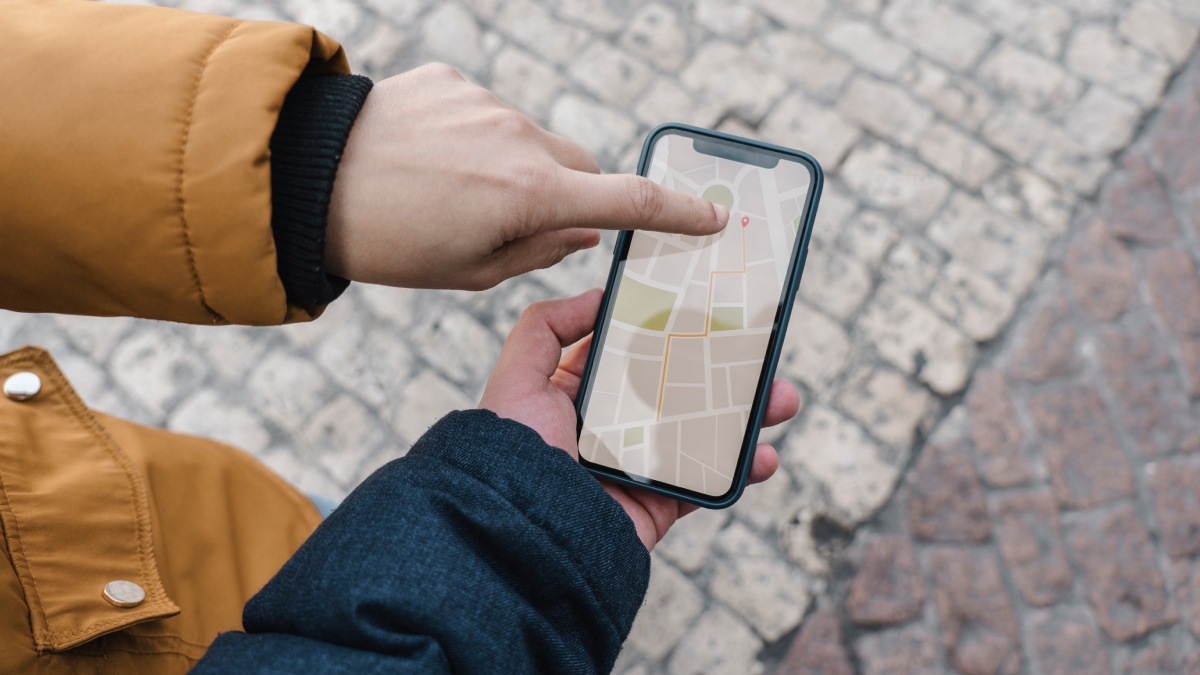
point(680, 358)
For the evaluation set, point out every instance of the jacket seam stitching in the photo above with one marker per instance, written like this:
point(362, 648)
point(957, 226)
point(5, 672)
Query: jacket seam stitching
point(187, 127)
point(159, 601)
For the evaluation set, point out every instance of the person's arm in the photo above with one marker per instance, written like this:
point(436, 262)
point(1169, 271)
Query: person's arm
point(487, 549)
point(137, 172)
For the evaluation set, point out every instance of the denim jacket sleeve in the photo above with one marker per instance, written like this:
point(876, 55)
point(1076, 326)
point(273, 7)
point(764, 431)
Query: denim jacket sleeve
point(484, 550)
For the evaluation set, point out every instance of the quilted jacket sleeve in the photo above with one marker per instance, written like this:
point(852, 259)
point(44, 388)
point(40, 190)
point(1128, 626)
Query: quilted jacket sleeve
point(134, 159)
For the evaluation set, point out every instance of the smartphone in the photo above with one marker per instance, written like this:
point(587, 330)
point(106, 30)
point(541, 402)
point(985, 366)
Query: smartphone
point(690, 329)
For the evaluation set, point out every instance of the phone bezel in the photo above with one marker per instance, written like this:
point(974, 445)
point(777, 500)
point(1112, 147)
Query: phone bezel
point(778, 330)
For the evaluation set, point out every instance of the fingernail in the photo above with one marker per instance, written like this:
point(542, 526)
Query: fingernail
point(722, 214)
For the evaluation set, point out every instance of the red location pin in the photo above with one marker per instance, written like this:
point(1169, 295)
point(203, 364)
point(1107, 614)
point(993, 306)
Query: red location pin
point(745, 220)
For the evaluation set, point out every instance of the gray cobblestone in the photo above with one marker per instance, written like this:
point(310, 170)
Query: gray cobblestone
point(1098, 54)
point(862, 43)
point(937, 30)
point(885, 109)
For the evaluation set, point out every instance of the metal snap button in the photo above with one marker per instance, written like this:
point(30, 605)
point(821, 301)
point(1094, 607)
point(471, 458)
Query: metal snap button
point(124, 593)
point(22, 386)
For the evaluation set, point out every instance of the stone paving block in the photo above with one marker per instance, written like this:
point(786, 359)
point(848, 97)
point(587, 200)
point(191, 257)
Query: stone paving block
point(886, 403)
point(914, 339)
point(599, 15)
point(426, 398)
point(664, 101)
point(834, 283)
point(771, 503)
point(344, 434)
point(955, 98)
point(1102, 121)
point(397, 305)
point(995, 431)
point(1100, 271)
point(862, 43)
point(1185, 577)
point(95, 336)
point(524, 82)
point(1036, 82)
point(1152, 28)
point(1066, 642)
point(403, 12)
point(458, 345)
point(688, 542)
point(1017, 132)
point(889, 181)
point(452, 34)
point(799, 123)
point(907, 651)
point(1171, 143)
point(958, 156)
point(610, 74)
point(815, 349)
point(377, 53)
point(1147, 390)
point(972, 301)
point(656, 34)
point(945, 502)
point(803, 61)
point(768, 593)
point(912, 265)
point(725, 71)
point(157, 368)
point(1023, 194)
point(286, 389)
point(887, 589)
point(1123, 582)
point(1157, 659)
point(1175, 485)
point(937, 30)
point(839, 454)
point(718, 644)
point(979, 629)
point(1136, 205)
point(337, 18)
point(598, 129)
point(210, 413)
point(818, 648)
point(1097, 54)
point(1070, 163)
point(1175, 294)
point(1029, 536)
point(530, 25)
point(1037, 25)
point(885, 109)
point(672, 603)
point(795, 13)
point(727, 18)
point(1087, 467)
point(989, 242)
point(1048, 346)
point(869, 236)
point(373, 366)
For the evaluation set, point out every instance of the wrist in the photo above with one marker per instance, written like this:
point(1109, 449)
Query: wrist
point(306, 148)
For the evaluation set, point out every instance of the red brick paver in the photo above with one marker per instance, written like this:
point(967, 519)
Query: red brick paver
point(1053, 528)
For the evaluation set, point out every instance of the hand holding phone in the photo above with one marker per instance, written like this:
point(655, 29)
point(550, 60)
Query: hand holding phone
point(535, 383)
point(689, 333)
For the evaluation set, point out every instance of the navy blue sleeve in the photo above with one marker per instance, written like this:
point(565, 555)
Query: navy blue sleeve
point(484, 550)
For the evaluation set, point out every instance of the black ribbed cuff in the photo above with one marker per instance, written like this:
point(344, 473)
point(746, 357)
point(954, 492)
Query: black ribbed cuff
point(306, 147)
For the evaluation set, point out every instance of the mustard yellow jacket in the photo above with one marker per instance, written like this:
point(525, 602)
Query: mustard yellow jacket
point(135, 181)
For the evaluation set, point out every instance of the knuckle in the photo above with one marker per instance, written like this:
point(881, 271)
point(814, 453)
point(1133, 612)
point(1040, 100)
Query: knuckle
point(646, 199)
point(442, 70)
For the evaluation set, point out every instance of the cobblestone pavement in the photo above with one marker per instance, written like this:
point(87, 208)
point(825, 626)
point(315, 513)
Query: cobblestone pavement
point(1050, 523)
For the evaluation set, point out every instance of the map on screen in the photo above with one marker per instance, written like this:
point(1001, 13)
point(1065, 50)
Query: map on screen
point(679, 363)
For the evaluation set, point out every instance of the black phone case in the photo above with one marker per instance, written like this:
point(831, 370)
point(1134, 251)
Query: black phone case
point(774, 346)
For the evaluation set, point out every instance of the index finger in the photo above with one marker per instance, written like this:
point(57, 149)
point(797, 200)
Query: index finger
point(628, 202)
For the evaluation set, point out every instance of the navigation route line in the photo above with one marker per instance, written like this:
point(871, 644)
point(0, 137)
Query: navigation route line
point(662, 383)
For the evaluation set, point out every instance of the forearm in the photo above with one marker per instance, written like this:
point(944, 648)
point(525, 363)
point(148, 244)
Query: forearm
point(483, 550)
